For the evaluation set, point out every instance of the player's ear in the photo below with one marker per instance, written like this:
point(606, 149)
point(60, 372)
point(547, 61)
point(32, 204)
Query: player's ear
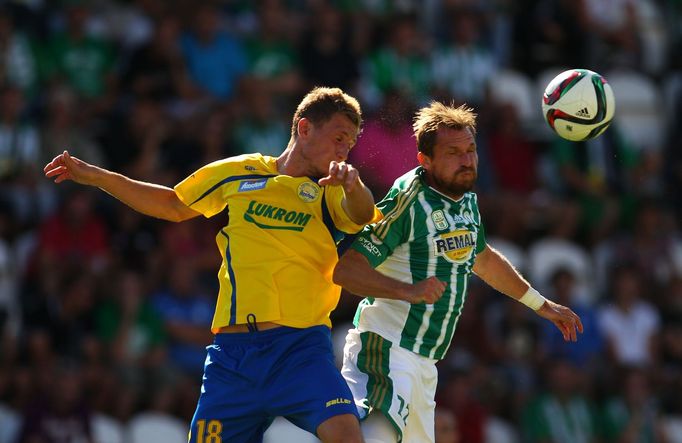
point(303, 127)
point(423, 160)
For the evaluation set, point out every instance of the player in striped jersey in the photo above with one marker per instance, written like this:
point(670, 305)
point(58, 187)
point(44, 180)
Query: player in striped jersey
point(272, 354)
point(413, 267)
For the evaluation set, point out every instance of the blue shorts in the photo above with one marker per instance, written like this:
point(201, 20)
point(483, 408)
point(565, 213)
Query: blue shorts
point(250, 378)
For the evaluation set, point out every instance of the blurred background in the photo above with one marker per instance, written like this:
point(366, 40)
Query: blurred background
point(104, 313)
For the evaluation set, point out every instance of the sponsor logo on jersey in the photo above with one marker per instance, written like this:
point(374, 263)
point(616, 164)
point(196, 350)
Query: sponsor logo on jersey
point(369, 246)
point(252, 185)
point(308, 192)
point(456, 246)
point(439, 220)
point(338, 401)
point(262, 215)
point(464, 218)
point(250, 168)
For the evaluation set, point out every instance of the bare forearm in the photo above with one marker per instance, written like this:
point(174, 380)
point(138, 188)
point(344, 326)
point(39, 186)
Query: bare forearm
point(498, 272)
point(359, 204)
point(354, 273)
point(147, 198)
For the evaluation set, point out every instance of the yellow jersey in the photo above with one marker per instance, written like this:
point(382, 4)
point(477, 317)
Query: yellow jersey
point(279, 244)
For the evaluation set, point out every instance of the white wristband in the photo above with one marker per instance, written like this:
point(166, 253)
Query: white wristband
point(533, 299)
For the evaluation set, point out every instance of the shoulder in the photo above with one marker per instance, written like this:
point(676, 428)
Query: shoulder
point(246, 164)
point(408, 182)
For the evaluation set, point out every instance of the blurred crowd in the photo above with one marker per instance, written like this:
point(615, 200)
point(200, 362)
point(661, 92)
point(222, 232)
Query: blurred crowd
point(105, 313)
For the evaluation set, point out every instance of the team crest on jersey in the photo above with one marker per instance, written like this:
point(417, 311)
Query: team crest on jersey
point(439, 220)
point(456, 246)
point(308, 192)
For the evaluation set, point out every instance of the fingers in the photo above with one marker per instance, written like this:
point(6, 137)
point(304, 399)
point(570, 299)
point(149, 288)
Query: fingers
point(569, 326)
point(351, 178)
point(340, 173)
point(59, 167)
point(433, 290)
point(57, 161)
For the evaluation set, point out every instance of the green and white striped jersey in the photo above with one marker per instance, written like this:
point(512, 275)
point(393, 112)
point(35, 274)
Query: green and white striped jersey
point(423, 233)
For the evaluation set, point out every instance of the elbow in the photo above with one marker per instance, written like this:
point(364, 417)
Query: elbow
point(177, 217)
point(365, 216)
point(339, 274)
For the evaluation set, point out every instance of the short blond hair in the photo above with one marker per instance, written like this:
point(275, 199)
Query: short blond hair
point(430, 118)
point(320, 105)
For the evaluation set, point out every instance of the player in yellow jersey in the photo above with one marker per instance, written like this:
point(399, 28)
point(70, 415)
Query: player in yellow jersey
point(272, 353)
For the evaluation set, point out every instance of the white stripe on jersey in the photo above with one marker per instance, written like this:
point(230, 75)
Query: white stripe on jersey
point(430, 270)
point(453, 290)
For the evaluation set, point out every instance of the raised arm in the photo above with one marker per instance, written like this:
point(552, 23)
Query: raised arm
point(496, 271)
point(354, 273)
point(358, 201)
point(147, 198)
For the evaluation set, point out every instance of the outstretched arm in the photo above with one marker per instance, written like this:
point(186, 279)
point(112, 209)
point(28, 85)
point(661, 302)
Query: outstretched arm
point(147, 198)
point(496, 270)
point(358, 201)
point(354, 273)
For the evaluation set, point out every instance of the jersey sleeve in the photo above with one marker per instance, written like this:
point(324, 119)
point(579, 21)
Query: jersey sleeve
point(377, 241)
point(203, 190)
point(334, 197)
point(480, 237)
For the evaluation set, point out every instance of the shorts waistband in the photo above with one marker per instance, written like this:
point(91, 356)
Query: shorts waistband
point(267, 334)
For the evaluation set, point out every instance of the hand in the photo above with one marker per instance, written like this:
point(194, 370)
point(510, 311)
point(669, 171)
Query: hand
point(427, 291)
point(64, 167)
point(563, 318)
point(341, 173)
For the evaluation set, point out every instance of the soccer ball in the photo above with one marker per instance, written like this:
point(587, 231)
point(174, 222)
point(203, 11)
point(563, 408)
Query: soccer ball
point(578, 104)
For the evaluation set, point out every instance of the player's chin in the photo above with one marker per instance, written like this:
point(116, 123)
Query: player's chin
point(465, 182)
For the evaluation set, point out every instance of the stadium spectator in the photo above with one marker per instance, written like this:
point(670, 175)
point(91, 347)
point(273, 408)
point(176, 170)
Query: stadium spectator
point(83, 61)
point(18, 52)
point(185, 315)
point(649, 244)
point(446, 427)
point(561, 412)
point(157, 69)
point(458, 398)
point(65, 127)
point(399, 63)
point(215, 59)
point(632, 414)
point(271, 54)
point(597, 175)
point(61, 413)
point(587, 352)
point(19, 152)
point(326, 54)
point(462, 67)
point(131, 331)
point(630, 324)
point(257, 125)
